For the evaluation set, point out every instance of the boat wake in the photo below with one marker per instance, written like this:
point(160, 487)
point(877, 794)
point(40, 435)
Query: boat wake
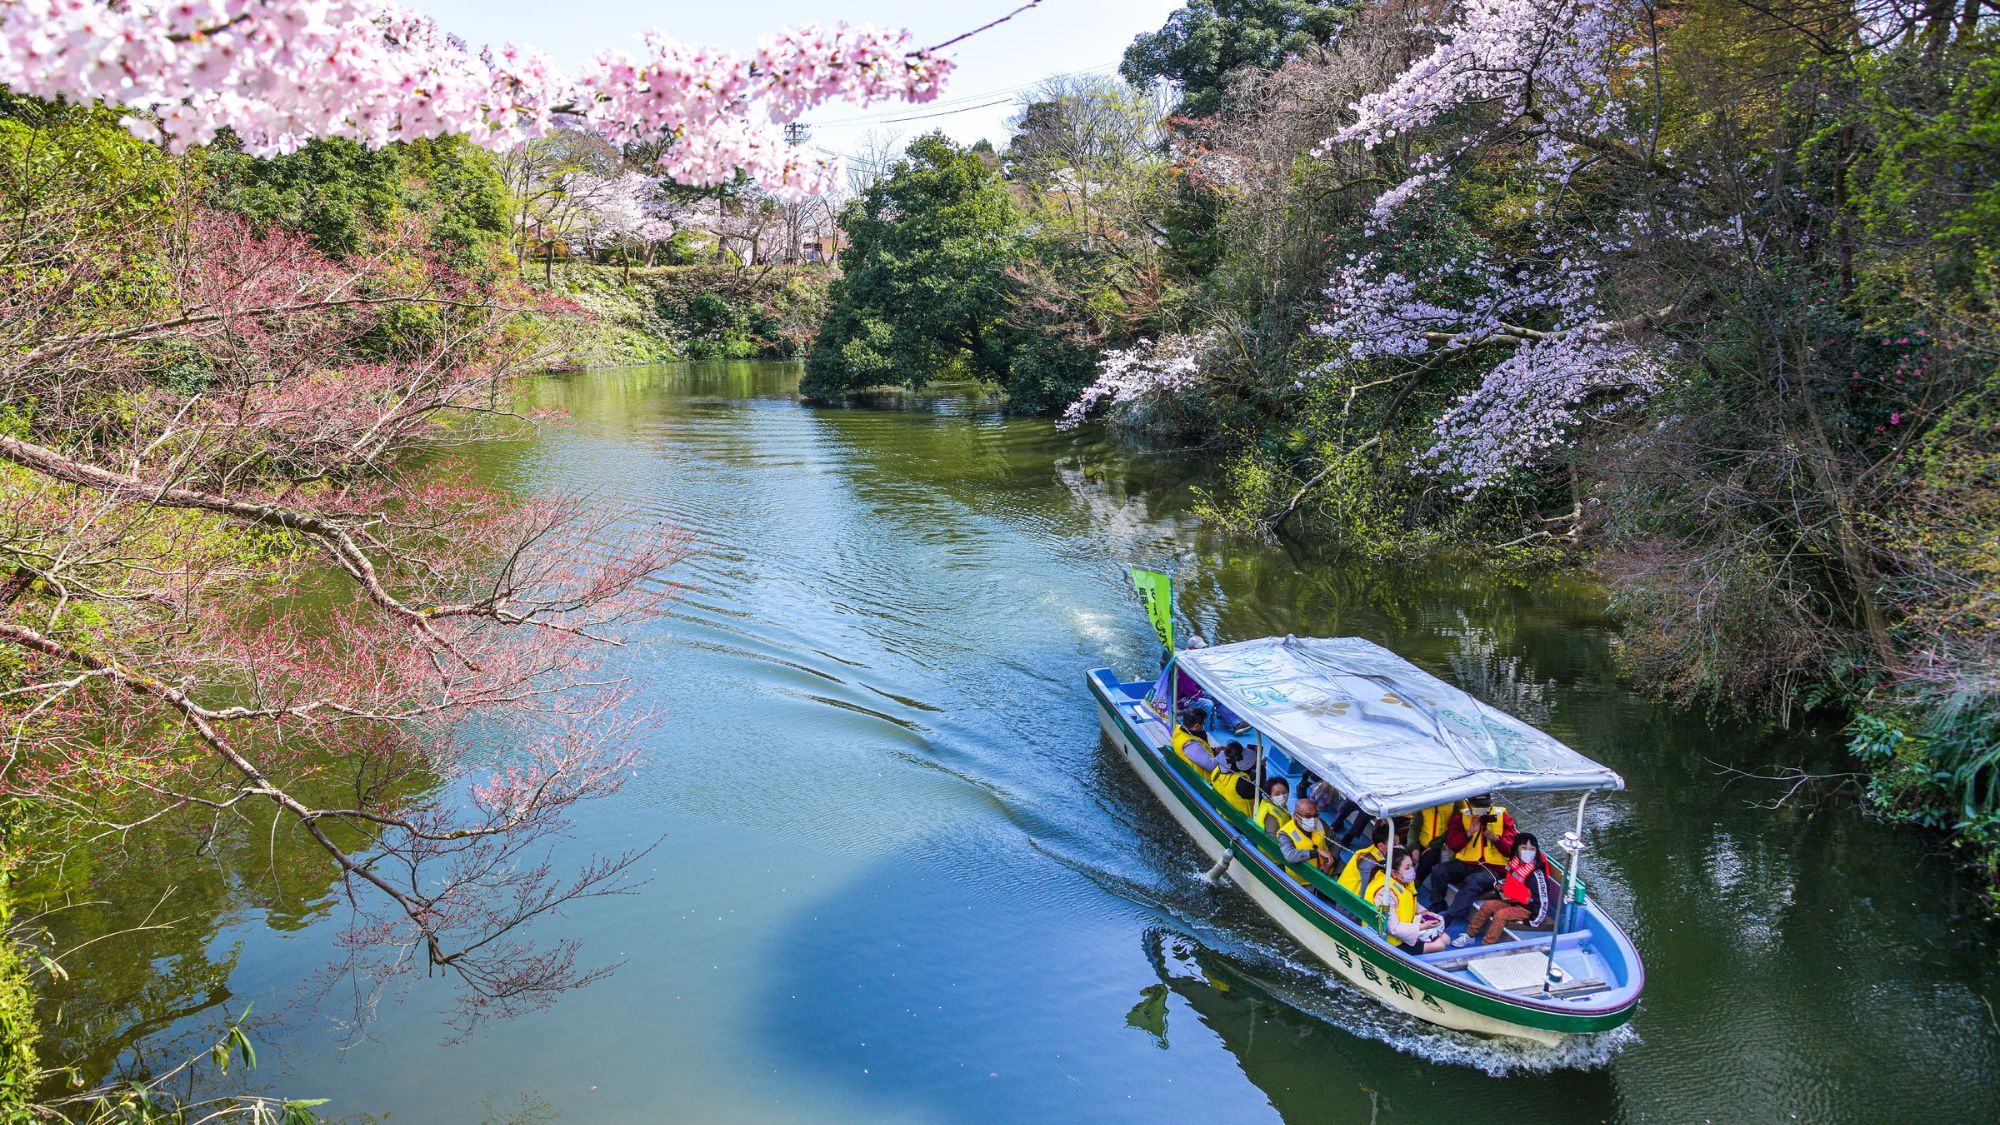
point(1267, 963)
point(1364, 1017)
point(1311, 990)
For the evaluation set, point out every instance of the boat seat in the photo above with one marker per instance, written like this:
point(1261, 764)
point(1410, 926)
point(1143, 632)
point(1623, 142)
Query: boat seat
point(1566, 988)
point(1510, 972)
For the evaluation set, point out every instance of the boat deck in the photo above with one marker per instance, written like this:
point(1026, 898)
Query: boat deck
point(1590, 960)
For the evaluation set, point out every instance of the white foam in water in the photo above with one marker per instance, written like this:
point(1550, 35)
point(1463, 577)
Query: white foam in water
point(1318, 991)
point(1095, 627)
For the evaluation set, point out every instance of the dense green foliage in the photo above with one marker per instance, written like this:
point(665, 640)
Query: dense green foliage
point(338, 193)
point(1204, 44)
point(693, 312)
point(922, 287)
point(17, 1004)
point(1019, 270)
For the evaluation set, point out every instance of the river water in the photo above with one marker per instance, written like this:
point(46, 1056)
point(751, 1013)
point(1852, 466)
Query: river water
point(899, 877)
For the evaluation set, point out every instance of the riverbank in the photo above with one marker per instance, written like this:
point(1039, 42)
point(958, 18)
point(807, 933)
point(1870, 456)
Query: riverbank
point(656, 314)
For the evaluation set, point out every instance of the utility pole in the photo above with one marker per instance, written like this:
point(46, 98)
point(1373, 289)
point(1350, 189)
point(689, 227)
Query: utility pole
point(796, 135)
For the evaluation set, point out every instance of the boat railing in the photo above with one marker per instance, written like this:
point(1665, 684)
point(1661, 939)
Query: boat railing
point(1256, 837)
point(1253, 833)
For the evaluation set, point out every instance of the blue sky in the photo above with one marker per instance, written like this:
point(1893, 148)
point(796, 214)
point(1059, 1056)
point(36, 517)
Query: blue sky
point(1059, 37)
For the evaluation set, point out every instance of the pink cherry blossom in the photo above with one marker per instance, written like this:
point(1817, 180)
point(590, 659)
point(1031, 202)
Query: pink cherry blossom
point(280, 72)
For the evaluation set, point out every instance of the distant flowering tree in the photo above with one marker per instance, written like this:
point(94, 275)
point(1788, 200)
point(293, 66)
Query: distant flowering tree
point(279, 72)
point(614, 208)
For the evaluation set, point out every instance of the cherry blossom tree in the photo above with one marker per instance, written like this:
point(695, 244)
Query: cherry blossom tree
point(199, 422)
point(609, 208)
point(279, 72)
point(1544, 77)
point(146, 508)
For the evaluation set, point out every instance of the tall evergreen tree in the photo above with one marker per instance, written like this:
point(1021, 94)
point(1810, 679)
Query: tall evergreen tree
point(1202, 44)
point(924, 286)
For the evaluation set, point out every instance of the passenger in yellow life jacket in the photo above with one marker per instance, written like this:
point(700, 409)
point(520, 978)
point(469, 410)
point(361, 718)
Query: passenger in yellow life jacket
point(1365, 862)
point(1234, 776)
point(1428, 837)
point(1302, 839)
point(1271, 814)
point(1480, 839)
point(1395, 894)
point(1191, 740)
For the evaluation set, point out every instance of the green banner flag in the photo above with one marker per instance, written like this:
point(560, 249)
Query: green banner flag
point(1157, 590)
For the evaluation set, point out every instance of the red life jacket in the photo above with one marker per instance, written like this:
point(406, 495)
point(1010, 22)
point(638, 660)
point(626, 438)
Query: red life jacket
point(1515, 887)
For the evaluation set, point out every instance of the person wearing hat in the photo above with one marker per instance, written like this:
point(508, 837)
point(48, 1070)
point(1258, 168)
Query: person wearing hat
point(1235, 775)
point(1480, 840)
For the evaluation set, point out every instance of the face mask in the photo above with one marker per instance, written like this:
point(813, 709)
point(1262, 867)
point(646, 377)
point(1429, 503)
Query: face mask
point(1527, 855)
point(1309, 823)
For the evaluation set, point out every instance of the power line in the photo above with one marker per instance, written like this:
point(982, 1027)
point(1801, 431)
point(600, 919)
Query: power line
point(944, 112)
point(889, 115)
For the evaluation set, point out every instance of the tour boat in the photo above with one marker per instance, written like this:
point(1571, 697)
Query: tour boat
point(1394, 739)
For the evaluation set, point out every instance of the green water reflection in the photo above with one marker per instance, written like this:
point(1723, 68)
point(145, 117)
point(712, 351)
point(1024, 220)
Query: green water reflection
point(902, 879)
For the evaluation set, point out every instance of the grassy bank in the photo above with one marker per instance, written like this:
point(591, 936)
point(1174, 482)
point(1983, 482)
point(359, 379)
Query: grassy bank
point(17, 1007)
point(690, 312)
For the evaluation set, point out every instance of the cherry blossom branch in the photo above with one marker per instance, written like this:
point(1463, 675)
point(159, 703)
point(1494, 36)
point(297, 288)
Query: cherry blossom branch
point(280, 72)
point(517, 808)
point(152, 329)
point(338, 543)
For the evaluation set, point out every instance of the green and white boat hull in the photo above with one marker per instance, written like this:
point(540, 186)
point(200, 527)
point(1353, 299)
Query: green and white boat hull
point(1429, 989)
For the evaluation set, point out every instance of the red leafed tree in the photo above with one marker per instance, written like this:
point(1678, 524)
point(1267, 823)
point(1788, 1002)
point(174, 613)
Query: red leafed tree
point(237, 582)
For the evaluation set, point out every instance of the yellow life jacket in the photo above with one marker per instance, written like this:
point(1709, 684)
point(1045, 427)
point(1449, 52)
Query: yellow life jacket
point(1267, 811)
point(1432, 822)
point(1300, 839)
point(1236, 787)
point(1350, 876)
point(1404, 907)
point(1181, 739)
point(1479, 849)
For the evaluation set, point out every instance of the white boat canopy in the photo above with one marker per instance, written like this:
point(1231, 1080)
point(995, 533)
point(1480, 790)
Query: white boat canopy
point(1390, 736)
